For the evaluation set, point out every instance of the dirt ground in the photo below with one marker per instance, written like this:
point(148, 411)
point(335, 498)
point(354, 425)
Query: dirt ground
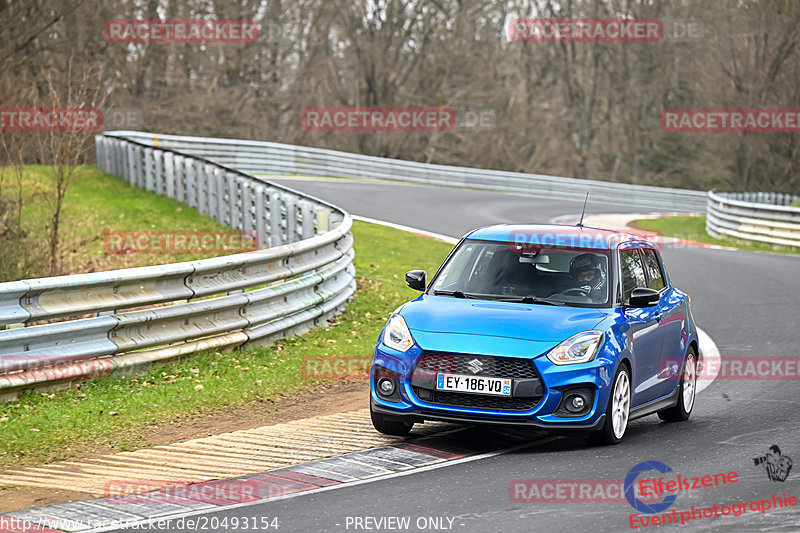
point(327, 398)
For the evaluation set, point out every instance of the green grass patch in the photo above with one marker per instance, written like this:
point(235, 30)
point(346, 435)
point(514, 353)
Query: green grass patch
point(96, 203)
point(694, 229)
point(115, 412)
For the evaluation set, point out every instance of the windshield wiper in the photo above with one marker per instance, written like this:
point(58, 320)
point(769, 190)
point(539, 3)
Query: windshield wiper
point(456, 294)
point(531, 300)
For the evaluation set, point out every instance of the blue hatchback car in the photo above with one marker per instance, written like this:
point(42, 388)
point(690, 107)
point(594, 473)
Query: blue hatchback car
point(561, 328)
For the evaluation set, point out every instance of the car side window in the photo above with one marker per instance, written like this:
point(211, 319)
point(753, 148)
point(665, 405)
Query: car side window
point(632, 272)
point(654, 272)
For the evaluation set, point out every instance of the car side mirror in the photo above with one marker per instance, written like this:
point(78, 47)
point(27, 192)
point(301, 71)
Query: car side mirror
point(416, 279)
point(644, 297)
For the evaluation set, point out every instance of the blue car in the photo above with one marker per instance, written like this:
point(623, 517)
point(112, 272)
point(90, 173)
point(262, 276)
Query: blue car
point(559, 328)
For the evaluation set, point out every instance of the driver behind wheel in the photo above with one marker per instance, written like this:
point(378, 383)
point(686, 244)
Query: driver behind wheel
point(588, 275)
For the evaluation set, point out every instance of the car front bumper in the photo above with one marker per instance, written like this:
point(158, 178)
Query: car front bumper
point(556, 380)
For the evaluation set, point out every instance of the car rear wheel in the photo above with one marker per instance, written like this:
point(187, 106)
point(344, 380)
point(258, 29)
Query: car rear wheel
point(387, 426)
point(688, 390)
point(618, 410)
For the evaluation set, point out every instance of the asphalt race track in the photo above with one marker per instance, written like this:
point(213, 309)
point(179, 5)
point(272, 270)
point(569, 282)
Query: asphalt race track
point(749, 303)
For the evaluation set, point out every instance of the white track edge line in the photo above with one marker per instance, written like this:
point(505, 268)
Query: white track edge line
point(437, 236)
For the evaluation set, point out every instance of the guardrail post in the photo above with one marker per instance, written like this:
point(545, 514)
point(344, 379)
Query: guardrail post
point(119, 157)
point(220, 188)
point(101, 153)
point(275, 218)
point(235, 206)
point(169, 175)
point(290, 201)
point(158, 172)
point(323, 222)
point(308, 228)
point(149, 168)
point(180, 178)
point(248, 223)
point(261, 216)
point(193, 168)
point(131, 160)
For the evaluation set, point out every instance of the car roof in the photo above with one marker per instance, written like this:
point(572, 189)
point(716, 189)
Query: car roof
point(558, 236)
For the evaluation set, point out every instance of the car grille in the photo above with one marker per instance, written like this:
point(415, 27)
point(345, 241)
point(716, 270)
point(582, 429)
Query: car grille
point(501, 367)
point(432, 363)
point(478, 401)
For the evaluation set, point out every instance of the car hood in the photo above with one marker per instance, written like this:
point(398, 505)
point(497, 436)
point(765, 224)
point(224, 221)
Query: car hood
point(531, 322)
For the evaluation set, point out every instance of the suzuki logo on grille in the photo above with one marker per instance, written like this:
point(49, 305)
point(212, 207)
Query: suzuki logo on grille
point(475, 366)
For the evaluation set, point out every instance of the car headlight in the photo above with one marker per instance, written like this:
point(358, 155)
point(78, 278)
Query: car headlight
point(396, 334)
point(580, 348)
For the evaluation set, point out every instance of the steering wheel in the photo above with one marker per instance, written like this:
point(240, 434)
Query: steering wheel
point(575, 291)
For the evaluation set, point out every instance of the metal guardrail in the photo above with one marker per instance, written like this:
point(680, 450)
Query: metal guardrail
point(304, 277)
point(755, 217)
point(264, 158)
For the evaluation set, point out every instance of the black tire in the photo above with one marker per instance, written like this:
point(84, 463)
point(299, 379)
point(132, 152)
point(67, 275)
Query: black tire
point(606, 435)
point(387, 426)
point(683, 409)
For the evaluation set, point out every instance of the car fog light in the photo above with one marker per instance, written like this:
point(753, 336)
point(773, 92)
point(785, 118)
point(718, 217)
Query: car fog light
point(575, 402)
point(386, 386)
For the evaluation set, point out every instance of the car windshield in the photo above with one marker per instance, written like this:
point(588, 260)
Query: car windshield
point(547, 276)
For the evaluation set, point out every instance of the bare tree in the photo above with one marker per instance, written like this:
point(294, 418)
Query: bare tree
point(62, 151)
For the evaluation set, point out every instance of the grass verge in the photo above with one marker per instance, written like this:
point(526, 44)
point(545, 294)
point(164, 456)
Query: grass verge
point(114, 412)
point(693, 228)
point(95, 203)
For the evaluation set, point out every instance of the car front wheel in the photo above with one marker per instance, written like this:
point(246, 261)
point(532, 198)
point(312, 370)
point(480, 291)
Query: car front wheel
point(617, 411)
point(688, 390)
point(388, 426)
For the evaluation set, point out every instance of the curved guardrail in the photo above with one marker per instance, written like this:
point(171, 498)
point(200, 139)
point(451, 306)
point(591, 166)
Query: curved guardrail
point(755, 217)
point(257, 157)
point(304, 276)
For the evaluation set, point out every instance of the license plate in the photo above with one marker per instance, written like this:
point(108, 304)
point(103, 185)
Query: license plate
point(473, 384)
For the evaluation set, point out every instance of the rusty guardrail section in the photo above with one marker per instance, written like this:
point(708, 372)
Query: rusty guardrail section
point(302, 275)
